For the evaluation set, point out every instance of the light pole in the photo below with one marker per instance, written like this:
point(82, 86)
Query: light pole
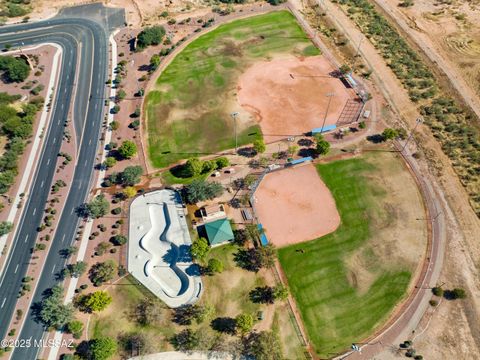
point(329, 95)
point(358, 47)
point(234, 116)
point(418, 121)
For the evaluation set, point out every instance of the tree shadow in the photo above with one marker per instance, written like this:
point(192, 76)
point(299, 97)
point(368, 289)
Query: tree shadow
point(225, 325)
point(248, 152)
point(306, 152)
point(262, 295)
point(376, 139)
point(305, 142)
point(247, 259)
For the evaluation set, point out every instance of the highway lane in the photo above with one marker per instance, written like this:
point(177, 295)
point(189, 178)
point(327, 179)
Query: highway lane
point(88, 117)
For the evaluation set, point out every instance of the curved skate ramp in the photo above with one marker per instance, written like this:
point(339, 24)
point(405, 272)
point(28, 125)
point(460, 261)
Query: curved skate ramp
point(159, 248)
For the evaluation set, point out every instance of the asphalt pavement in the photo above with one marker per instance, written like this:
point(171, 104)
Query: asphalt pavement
point(82, 32)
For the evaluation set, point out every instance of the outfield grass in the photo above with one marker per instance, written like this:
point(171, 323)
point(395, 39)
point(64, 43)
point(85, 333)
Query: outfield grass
point(335, 313)
point(188, 112)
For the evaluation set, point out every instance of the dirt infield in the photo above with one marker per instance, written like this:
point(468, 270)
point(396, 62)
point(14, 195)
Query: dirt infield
point(294, 205)
point(287, 96)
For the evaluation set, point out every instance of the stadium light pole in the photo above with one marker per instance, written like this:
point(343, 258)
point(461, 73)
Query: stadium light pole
point(234, 116)
point(418, 121)
point(329, 95)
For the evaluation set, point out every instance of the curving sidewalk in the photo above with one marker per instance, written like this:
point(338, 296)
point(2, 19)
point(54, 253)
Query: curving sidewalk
point(159, 248)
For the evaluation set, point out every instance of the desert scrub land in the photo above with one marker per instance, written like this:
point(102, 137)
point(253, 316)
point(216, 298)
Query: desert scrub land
point(189, 111)
point(453, 126)
point(347, 283)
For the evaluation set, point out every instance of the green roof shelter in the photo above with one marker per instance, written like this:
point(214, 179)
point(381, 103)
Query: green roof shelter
point(219, 232)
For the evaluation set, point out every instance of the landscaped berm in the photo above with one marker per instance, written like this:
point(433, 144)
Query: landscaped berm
point(347, 283)
point(189, 110)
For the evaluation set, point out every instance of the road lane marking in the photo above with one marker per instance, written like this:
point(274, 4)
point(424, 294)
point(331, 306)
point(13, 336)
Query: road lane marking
point(63, 238)
point(26, 238)
point(3, 302)
point(16, 268)
point(34, 211)
point(53, 269)
point(54, 140)
point(41, 185)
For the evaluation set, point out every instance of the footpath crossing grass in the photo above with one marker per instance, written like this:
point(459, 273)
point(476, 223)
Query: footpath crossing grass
point(188, 112)
point(335, 313)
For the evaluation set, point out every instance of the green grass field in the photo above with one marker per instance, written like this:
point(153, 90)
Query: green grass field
point(335, 313)
point(188, 113)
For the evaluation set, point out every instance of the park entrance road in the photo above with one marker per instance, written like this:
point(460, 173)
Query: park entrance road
point(82, 32)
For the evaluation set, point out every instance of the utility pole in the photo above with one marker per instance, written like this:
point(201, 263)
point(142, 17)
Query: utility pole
point(418, 121)
point(329, 95)
point(234, 116)
point(358, 47)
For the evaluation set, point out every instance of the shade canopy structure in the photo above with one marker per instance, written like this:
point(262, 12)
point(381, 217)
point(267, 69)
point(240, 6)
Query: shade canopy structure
point(219, 231)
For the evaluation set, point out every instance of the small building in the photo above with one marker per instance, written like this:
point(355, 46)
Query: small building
point(219, 232)
point(213, 212)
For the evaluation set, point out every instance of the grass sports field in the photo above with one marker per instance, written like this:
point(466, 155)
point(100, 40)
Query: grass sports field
point(188, 112)
point(347, 282)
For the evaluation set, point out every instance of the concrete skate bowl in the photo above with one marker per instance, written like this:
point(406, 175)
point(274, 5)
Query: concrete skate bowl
point(159, 248)
point(165, 255)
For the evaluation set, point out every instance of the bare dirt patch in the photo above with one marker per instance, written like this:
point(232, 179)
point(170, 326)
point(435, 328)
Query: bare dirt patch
point(287, 96)
point(294, 205)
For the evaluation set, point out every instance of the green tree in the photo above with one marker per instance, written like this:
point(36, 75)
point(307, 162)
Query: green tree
point(75, 327)
point(76, 269)
point(102, 272)
point(150, 36)
point(437, 291)
point(264, 345)
point(118, 240)
point(5, 227)
point(14, 69)
point(96, 301)
point(259, 146)
point(155, 60)
point(200, 190)
point(456, 293)
point(389, 134)
point(103, 348)
point(345, 69)
point(280, 292)
point(199, 249)
point(131, 175)
point(98, 207)
point(193, 167)
point(128, 149)
point(323, 146)
point(130, 191)
point(222, 162)
point(185, 340)
point(109, 162)
point(51, 310)
point(121, 94)
point(215, 266)
point(244, 323)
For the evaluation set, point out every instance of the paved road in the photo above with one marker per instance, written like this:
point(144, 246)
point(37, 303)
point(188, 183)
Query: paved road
point(84, 42)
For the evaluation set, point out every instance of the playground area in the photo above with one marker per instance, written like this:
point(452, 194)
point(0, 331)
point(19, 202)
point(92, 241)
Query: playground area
point(159, 248)
point(289, 96)
point(294, 206)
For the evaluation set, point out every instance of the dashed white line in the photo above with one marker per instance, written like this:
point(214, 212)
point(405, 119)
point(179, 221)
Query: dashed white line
point(3, 302)
point(48, 161)
point(41, 185)
point(16, 268)
point(54, 140)
point(26, 238)
point(34, 211)
point(63, 238)
point(53, 269)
